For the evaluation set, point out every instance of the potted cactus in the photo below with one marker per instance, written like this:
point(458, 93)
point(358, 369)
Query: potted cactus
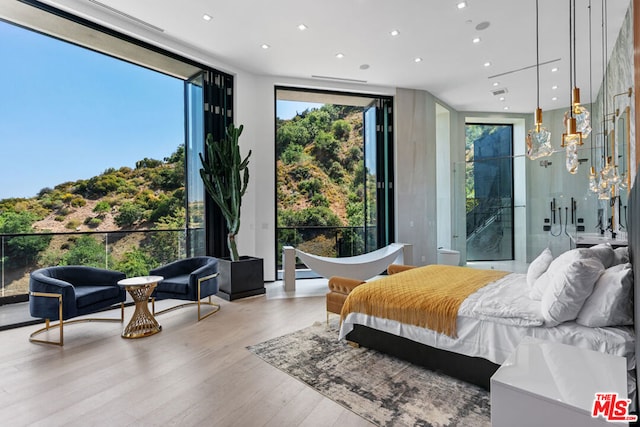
point(225, 176)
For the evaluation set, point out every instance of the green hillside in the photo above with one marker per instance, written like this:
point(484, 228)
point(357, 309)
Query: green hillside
point(320, 174)
point(148, 197)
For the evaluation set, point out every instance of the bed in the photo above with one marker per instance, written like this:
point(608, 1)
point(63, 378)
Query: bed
point(473, 355)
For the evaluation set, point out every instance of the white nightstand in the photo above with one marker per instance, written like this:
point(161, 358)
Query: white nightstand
point(549, 384)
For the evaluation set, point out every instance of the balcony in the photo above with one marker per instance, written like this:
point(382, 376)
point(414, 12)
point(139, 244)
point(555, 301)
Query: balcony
point(132, 252)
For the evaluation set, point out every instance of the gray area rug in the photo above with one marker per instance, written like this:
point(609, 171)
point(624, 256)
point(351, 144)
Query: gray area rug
point(380, 388)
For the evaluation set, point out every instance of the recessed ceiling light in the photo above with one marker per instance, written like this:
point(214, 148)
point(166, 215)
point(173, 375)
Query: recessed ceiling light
point(265, 46)
point(462, 4)
point(417, 59)
point(207, 17)
point(502, 98)
point(476, 40)
point(339, 55)
point(554, 69)
point(554, 87)
point(505, 108)
point(555, 98)
point(394, 33)
point(487, 64)
point(495, 84)
point(302, 27)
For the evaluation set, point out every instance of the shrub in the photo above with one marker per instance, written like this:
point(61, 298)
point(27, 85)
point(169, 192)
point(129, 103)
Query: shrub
point(86, 251)
point(292, 154)
point(341, 129)
point(319, 199)
point(148, 163)
point(129, 214)
point(136, 262)
point(92, 222)
point(59, 218)
point(64, 211)
point(336, 172)
point(77, 202)
point(310, 186)
point(45, 191)
point(102, 207)
point(72, 224)
point(300, 173)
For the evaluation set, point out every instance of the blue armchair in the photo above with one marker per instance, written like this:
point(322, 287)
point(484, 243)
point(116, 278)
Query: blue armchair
point(64, 292)
point(190, 279)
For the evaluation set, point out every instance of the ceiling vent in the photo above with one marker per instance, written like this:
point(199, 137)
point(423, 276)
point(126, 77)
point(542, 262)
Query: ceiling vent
point(498, 92)
point(113, 10)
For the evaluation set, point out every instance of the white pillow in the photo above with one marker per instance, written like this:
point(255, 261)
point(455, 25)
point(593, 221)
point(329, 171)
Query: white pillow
point(621, 255)
point(570, 284)
point(604, 252)
point(611, 303)
point(538, 266)
point(564, 258)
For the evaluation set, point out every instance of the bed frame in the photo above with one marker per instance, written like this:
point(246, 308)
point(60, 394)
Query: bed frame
point(477, 370)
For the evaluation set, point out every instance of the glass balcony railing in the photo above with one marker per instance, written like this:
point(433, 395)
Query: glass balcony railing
point(132, 252)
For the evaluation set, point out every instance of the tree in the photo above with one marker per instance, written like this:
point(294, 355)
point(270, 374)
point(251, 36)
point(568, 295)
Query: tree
point(21, 248)
point(86, 251)
point(135, 262)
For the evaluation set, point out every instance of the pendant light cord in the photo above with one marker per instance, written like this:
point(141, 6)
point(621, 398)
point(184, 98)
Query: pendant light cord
point(605, 148)
point(590, 84)
point(571, 56)
point(537, 57)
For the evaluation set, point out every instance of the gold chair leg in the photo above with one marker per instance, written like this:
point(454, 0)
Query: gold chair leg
point(199, 303)
point(216, 307)
point(61, 322)
point(47, 323)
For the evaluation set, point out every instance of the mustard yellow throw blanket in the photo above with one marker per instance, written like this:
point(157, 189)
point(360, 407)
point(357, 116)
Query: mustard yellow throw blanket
point(426, 296)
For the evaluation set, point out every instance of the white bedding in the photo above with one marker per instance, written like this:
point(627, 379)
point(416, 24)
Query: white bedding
point(492, 321)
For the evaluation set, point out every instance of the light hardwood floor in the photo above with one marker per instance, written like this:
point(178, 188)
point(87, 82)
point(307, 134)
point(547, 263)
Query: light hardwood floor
point(190, 374)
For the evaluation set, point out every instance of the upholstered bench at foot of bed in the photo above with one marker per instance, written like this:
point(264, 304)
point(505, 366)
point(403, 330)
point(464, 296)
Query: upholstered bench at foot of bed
point(339, 288)
point(398, 268)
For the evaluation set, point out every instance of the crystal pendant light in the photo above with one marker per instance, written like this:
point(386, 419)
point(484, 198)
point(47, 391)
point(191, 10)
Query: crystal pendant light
point(573, 137)
point(538, 138)
point(581, 114)
point(570, 141)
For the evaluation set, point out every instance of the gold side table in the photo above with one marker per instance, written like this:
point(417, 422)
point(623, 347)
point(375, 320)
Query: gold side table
point(142, 323)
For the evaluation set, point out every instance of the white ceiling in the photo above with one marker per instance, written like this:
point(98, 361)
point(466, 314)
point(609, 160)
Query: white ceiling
point(434, 30)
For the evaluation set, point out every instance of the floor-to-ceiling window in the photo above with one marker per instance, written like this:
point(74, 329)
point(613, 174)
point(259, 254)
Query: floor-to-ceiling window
point(489, 192)
point(99, 141)
point(334, 174)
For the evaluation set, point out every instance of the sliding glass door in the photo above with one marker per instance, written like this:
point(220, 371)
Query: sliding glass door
point(334, 172)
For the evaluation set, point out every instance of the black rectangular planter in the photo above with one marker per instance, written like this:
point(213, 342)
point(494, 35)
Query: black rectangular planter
point(240, 279)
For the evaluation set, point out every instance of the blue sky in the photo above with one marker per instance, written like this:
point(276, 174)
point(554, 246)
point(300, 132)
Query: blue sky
point(286, 110)
point(68, 113)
